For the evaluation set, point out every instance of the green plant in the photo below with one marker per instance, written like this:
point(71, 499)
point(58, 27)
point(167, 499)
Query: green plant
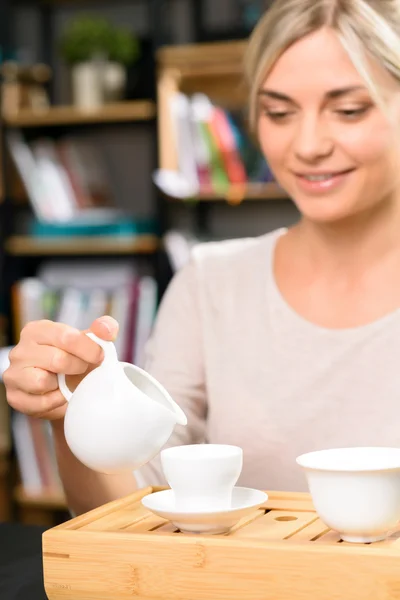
point(123, 47)
point(88, 37)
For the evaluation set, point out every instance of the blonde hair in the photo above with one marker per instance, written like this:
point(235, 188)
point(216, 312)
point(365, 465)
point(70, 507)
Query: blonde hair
point(364, 27)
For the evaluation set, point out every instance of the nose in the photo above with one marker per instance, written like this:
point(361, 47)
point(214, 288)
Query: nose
point(312, 140)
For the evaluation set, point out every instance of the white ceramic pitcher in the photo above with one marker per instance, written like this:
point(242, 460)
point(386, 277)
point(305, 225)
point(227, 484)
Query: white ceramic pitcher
point(119, 416)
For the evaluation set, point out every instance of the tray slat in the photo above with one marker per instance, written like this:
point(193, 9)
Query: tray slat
point(244, 521)
point(312, 532)
point(151, 523)
point(122, 519)
point(276, 525)
point(100, 512)
point(279, 500)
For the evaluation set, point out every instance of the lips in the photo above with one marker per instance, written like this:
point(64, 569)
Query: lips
point(322, 176)
point(317, 183)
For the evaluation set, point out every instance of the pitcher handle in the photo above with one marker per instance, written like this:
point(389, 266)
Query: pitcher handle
point(110, 355)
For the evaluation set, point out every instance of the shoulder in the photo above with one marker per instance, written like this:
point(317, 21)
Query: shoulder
point(232, 256)
point(215, 267)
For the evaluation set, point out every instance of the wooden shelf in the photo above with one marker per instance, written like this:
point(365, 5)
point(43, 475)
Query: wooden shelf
point(237, 194)
point(197, 59)
point(44, 500)
point(20, 245)
point(139, 110)
point(65, 2)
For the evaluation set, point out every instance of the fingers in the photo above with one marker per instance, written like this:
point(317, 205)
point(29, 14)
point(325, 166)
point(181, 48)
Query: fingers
point(71, 340)
point(55, 413)
point(37, 405)
point(45, 349)
point(105, 328)
point(52, 359)
point(66, 338)
point(30, 380)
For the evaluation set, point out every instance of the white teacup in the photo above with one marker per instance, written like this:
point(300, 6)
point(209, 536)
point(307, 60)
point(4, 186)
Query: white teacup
point(355, 491)
point(119, 417)
point(202, 476)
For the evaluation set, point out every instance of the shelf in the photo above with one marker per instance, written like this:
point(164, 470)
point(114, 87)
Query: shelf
point(237, 194)
point(67, 2)
point(139, 110)
point(20, 245)
point(194, 59)
point(46, 500)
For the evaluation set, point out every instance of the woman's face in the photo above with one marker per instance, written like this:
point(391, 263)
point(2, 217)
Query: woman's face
point(328, 144)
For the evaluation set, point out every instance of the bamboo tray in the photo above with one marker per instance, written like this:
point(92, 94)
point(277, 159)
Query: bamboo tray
point(281, 551)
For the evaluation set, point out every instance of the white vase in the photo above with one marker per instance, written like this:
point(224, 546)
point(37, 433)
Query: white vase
point(87, 85)
point(114, 81)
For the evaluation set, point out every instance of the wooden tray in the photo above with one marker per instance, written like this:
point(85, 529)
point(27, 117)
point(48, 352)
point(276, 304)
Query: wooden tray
point(281, 551)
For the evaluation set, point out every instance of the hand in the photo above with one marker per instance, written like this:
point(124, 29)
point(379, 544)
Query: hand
point(45, 349)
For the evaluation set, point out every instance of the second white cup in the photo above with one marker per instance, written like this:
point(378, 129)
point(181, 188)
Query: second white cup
point(202, 476)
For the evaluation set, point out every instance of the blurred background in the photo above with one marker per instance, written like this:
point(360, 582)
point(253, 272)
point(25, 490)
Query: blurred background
point(124, 142)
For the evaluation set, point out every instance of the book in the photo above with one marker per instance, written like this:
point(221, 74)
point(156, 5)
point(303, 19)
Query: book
point(214, 148)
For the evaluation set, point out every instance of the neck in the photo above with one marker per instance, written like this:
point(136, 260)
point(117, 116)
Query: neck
point(352, 244)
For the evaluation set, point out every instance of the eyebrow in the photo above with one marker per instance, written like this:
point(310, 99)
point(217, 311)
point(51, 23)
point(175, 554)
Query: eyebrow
point(332, 94)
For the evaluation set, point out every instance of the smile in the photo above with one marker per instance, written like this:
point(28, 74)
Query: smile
point(322, 182)
point(319, 177)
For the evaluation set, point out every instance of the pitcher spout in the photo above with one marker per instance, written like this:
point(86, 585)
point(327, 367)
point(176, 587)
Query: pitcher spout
point(181, 418)
point(154, 391)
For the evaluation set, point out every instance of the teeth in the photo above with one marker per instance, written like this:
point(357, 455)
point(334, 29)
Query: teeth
point(318, 177)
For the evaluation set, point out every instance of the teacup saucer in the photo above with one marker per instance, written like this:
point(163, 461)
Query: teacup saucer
point(244, 500)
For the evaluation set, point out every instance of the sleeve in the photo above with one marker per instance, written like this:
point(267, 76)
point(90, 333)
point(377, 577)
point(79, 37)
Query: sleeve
point(174, 356)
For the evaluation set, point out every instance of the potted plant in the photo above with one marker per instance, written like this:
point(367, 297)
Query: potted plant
point(98, 54)
point(123, 50)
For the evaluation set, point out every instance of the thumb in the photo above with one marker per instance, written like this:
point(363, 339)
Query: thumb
point(106, 328)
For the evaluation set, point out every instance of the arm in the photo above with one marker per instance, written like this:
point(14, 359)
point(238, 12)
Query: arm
point(46, 348)
point(174, 356)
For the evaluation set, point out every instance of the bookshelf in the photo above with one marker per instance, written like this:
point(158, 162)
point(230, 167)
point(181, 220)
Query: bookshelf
point(139, 110)
point(45, 508)
point(212, 68)
point(237, 194)
point(191, 69)
point(25, 254)
point(43, 500)
point(20, 245)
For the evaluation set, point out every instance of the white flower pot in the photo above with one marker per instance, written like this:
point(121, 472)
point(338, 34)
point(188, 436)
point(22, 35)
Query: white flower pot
point(114, 81)
point(87, 85)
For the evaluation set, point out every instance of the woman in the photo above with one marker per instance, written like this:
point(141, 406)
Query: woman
point(289, 342)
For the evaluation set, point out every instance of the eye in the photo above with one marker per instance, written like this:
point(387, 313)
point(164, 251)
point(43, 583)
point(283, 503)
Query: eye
point(277, 116)
point(353, 113)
